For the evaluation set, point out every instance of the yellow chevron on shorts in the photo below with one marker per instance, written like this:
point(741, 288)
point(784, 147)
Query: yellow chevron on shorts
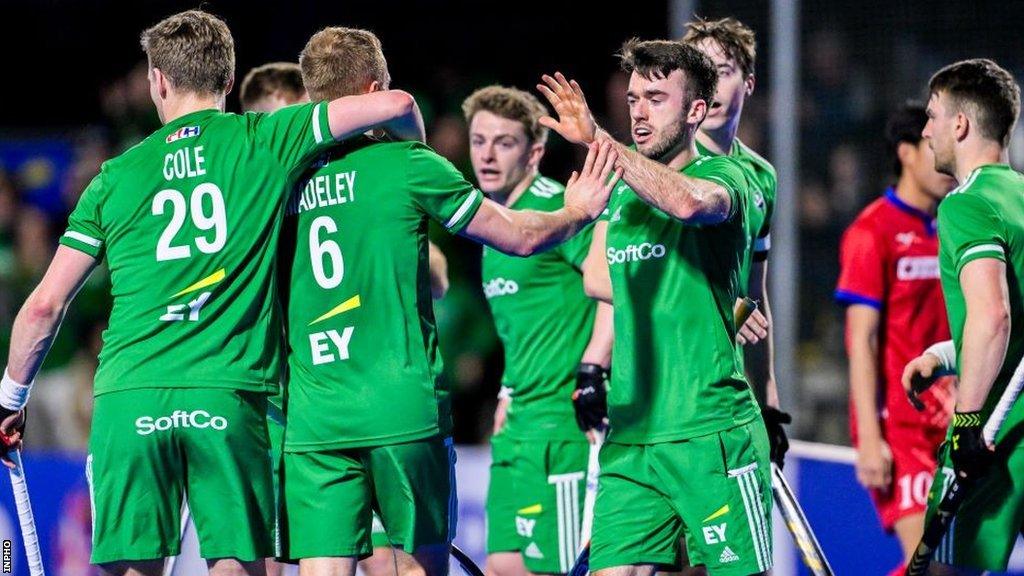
point(345, 306)
point(535, 509)
point(208, 281)
point(720, 512)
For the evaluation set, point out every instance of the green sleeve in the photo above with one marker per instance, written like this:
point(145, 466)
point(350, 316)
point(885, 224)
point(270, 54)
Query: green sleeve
point(574, 250)
point(729, 174)
point(764, 237)
point(440, 190)
point(970, 229)
point(294, 134)
point(85, 228)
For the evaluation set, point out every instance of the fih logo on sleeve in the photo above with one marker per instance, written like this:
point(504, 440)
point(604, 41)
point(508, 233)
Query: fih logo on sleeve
point(182, 133)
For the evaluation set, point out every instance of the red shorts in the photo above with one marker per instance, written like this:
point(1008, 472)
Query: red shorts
point(913, 466)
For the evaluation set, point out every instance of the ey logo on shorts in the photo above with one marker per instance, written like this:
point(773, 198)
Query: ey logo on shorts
point(146, 425)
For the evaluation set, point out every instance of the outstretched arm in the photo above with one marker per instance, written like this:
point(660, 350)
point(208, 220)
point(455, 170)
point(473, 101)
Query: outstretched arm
point(526, 232)
point(691, 200)
point(393, 111)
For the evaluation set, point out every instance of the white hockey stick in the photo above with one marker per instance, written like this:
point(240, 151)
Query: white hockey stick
point(28, 522)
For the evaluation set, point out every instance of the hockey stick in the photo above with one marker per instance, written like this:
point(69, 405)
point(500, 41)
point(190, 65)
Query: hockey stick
point(810, 550)
point(581, 565)
point(466, 562)
point(28, 523)
point(936, 529)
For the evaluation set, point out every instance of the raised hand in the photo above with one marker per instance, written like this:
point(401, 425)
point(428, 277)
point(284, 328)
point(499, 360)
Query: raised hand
point(575, 121)
point(589, 189)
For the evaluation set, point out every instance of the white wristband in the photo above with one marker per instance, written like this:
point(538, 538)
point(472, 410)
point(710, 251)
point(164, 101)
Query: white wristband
point(504, 392)
point(13, 396)
point(946, 353)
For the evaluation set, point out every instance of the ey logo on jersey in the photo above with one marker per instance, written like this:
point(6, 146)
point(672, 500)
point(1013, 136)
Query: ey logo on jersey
point(189, 311)
point(715, 533)
point(182, 133)
point(330, 345)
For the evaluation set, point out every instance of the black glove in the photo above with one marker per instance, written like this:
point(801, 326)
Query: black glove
point(590, 398)
point(777, 441)
point(971, 456)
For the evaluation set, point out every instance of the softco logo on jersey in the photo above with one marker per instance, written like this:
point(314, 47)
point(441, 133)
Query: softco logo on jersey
point(146, 425)
point(636, 253)
point(500, 287)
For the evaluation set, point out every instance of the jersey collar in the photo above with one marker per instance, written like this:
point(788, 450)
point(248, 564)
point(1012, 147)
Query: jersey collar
point(924, 217)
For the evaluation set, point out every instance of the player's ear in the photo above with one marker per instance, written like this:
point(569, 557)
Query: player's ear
point(375, 86)
point(748, 84)
point(231, 84)
point(961, 125)
point(162, 83)
point(536, 153)
point(698, 112)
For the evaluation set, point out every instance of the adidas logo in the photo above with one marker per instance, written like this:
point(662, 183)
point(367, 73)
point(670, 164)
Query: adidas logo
point(618, 214)
point(727, 556)
point(533, 551)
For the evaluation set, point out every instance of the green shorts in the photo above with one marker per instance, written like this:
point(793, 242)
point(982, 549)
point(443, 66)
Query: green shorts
point(150, 447)
point(500, 509)
point(986, 526)
point(713, 490)
point(550, 480)
point(330, 497)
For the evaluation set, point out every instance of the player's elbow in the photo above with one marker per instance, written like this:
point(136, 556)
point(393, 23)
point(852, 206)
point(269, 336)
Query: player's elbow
point(41, 308)
point(401, 102)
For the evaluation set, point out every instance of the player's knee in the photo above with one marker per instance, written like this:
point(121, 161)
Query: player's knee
point(380, 563)
point(505, 564)
point(145, 568)
point(235, 567)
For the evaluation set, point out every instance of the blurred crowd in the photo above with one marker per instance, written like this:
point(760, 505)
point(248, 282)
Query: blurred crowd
point(843, 166)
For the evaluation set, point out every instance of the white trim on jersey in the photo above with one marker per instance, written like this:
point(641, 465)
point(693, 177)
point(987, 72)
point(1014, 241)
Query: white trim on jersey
point(318, 134)
point(967, 183)
point(466, 205)
point(994, 248)
point(83, 238)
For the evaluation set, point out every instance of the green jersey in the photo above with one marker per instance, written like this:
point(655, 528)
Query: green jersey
point(763, 187)
point(188, 222)
point(676, 371)
point(544, 321)
point(984, 218)
point(363, 362)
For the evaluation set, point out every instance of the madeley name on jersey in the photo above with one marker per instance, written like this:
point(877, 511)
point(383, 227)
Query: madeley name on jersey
point(188, 221)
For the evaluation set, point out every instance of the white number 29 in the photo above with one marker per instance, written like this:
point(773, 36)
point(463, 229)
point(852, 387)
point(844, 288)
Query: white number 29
point(215, 220)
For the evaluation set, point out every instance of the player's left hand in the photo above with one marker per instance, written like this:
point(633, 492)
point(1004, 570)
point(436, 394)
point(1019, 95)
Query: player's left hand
point(970, 454)
point(575, 121)
point(778, 442)
point(753, 330)
point(590, 398)
point(590, 189)
point(12, 430)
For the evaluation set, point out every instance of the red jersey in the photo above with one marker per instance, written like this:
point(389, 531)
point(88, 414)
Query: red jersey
point(889, 261)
